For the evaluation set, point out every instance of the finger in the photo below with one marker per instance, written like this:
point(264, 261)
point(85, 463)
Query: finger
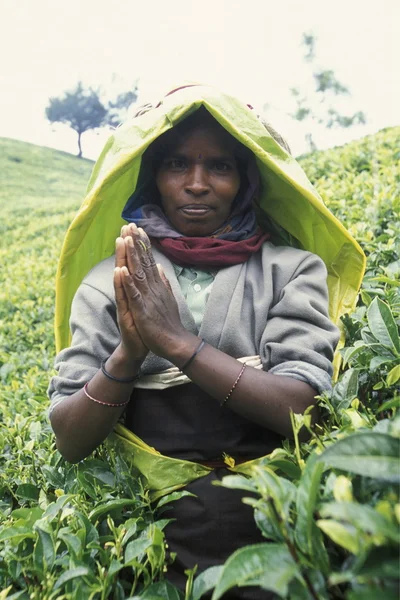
point(143, 248)
point(120, 252)
point(133, 295)
point(164, 278)
point(133, 261)
point(120, 295)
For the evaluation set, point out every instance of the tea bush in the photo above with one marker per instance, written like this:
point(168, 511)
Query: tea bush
point(329, 507)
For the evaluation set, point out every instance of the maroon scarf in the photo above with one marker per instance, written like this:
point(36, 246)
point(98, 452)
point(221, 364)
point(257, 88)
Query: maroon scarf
point(208, 251)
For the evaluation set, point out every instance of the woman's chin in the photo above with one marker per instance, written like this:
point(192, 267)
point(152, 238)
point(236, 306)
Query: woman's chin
point(195, 228)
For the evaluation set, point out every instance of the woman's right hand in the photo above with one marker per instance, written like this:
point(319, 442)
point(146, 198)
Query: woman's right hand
point(132, 346)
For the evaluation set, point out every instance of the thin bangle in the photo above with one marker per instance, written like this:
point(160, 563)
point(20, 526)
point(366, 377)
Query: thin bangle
point(117, 379)
point(117, 405)
point(195, 353)
point(234, 385)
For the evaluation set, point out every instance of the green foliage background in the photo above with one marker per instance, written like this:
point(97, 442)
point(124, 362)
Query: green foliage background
point(330, 506)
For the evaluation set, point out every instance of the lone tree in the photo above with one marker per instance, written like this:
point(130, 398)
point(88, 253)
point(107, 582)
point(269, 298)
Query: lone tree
point(79, 108)
point(118, 108)
point(327, 89)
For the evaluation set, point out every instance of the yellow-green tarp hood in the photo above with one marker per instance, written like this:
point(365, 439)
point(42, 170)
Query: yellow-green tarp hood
point(287, 196)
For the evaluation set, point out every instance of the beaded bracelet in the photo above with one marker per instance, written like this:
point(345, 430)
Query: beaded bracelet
point(117, 405)
point(234, 385)
point(117, 379)
point(202, 343)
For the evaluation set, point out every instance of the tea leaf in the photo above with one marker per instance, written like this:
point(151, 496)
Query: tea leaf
point(247, 567)
point(368, 454)
point(71, 574)
point(393, 376)
point(205, 582)
point(343, 535)
point(382, 324)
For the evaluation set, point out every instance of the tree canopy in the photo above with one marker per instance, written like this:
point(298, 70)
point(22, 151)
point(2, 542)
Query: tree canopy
point(81, 109)
point(327, 88)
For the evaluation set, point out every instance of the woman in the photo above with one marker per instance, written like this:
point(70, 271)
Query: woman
point(197, 292)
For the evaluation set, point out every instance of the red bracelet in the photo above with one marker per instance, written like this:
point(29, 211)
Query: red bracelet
point(101, 401)
point(234, 385)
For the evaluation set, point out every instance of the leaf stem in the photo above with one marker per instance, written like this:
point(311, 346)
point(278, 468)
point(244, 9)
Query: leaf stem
point(292, 548)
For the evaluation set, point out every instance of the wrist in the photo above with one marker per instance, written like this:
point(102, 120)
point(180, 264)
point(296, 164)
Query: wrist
point(122, 365)
point(181, 350)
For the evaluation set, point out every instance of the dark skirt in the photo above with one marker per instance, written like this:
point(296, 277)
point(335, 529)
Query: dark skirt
point(183, 422)
point(208, 529)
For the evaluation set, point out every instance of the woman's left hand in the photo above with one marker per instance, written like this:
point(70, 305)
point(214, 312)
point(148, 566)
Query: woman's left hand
point(150, 298)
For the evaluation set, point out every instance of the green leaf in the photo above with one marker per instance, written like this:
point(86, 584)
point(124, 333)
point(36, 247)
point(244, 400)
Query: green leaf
point(115, 567)
point(111, 505)
point(343, 535)
point(286, 466)
point(44, 552)
point(27, 491)
point(206, 581)
point(55, 508)
point(382, 324)
point(238, 482)
point(136, 548)
point(269, 566)
point(267, 523)
point(362, 517)
point(53, 476)
point(378, 361)
point(305, 530)
point(365, 297)
point(26, 516)
point(162, 590)
point(393, 375)
point(368, 454)
point(393, 403)
point(72, 542)
point(71, 574)
point(173, 497)
point(16, 533)
point(346, 389)
point(269, 484)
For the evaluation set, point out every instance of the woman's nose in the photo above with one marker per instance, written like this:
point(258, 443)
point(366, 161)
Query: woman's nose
point(197, 182)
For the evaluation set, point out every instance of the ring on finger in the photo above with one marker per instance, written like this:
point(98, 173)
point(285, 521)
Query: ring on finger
point(145, 248)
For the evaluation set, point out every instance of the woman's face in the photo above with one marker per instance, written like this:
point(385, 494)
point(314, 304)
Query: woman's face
point(198, 181)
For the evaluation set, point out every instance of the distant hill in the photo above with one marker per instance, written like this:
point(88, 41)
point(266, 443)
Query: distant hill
point(30, 174)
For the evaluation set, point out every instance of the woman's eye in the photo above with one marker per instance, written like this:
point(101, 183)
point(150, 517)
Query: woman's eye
point(175, 164)
point(221, 167)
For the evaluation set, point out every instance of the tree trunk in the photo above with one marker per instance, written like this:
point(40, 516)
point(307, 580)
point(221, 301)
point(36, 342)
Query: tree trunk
point(79, 145)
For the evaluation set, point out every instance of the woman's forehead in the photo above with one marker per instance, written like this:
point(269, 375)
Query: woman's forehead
point(202, 140)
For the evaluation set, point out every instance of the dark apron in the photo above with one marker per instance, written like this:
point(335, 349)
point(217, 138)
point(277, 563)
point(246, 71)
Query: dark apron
point(184, 422)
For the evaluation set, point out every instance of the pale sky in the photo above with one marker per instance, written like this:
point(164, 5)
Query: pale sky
point(250, 48)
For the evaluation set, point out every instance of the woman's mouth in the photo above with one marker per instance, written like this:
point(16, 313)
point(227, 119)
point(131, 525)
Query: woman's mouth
point(195, 210)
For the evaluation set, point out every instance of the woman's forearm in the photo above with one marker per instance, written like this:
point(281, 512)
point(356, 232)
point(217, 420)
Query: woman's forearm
point(79, 423)
point(261, 397)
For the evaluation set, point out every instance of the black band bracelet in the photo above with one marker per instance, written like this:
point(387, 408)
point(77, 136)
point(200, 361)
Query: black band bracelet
point(117, 379)
point(185, 366)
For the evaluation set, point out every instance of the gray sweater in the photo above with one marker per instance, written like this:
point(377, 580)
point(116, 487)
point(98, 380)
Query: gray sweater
point(274, 305)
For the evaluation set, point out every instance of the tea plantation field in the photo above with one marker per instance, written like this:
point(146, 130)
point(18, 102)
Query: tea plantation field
point(329, 507)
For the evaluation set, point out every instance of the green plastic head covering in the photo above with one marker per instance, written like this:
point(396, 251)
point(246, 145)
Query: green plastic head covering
point(287, 197)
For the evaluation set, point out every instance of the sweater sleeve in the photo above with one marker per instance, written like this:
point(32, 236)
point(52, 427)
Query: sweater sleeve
point(95, 335)
point(299, 339)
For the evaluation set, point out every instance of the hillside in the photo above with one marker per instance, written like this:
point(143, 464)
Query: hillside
point(70, 532)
